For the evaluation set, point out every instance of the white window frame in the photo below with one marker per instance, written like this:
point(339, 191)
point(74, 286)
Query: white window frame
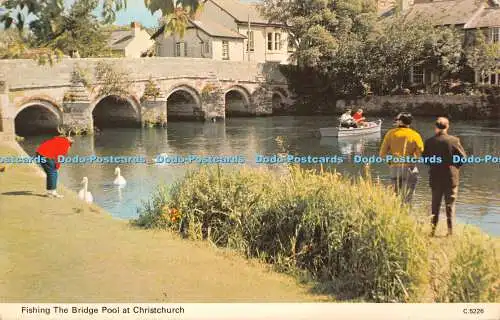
point(416, 75)
point(490, 79)
point(269, 42)
point(495, 35)
point(290, 44)
point(250, 41)
point(205, 47)
point(277, 41)
point(180, 49)
point(225, 50)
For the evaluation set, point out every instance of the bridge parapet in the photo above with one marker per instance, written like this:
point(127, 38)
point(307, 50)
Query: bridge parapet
point(22, 72)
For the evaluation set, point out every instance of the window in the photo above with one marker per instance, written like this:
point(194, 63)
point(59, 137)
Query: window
point(492, 79)
point(277, 41)
point(274, 41)
point(205, 47)
point(270, 41)
point(250, 41)
point(225, 50)
point(418, 74)
point(495, 35)
point(180, 49)
point(291, 44)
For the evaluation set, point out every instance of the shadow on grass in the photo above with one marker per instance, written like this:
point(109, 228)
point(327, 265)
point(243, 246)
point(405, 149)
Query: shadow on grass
point(23, 193)
point(332, 290)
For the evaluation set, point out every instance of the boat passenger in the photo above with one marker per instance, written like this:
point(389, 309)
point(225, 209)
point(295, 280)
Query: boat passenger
point(358, 117)
point(346, 120)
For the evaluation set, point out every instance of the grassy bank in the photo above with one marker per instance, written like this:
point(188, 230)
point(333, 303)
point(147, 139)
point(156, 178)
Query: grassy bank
point(64, 250)
point(351, 239)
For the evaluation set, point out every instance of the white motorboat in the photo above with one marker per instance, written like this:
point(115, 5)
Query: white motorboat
point(367, 128)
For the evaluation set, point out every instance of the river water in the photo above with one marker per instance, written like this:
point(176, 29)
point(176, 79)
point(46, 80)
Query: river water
point(478, 202)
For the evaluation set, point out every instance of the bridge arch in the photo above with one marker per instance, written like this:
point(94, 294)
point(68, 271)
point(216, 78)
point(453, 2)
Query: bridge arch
point(237, 101)
point(184, 103)
point(115, 111)
point(37, 116)
point(278, 101)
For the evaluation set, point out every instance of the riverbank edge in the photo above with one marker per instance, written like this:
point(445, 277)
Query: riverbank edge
point(274, 286)
point(457, 107)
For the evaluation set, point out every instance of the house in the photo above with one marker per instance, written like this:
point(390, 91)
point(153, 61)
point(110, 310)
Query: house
point(229, 30)
point(466, 15)
point(134, 42)
point(488, 20)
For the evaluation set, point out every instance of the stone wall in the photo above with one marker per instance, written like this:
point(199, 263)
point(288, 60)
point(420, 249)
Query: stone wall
point(6, 116)
point(21, 73)
point(458, 107)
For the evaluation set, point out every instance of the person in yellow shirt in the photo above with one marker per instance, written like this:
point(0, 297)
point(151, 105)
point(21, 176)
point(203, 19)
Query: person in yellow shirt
point(405, 144)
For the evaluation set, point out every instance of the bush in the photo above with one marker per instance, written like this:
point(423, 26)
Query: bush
point(353, 237)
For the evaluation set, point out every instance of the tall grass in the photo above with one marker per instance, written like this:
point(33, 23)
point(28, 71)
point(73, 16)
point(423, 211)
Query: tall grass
point(466, 269)
point(354, 238)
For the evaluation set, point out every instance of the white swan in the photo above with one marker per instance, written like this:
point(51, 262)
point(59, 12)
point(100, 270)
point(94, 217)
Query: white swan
point(84, 194)
point(119, 180)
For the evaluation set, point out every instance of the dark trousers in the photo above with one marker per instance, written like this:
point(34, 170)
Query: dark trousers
point(450, 198)
point(50, 169)
point(404, 181)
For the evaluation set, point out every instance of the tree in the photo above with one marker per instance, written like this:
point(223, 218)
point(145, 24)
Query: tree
point(45, 11)
point(56, 30)
point(317, 27)
point(481, 55)
point(80, 31)
point(443, 53)
point(402, 42)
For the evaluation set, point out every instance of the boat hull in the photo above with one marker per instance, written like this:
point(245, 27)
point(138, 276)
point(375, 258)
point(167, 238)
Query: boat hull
point(373, 127)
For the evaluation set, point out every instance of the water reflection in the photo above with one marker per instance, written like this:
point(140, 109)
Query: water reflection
point(478, 200)
point(349, 146)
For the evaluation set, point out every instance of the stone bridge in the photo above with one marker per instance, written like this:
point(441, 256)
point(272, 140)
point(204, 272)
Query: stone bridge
point(70, 93)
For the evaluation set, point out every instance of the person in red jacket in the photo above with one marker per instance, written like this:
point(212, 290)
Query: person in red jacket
point(50, 150)
point(358, 117)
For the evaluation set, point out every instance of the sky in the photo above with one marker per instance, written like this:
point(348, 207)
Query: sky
point(136, 11)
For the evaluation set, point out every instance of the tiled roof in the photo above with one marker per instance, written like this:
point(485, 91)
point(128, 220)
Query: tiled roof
point(241, 12)
point(216, 30)
point(120, 39)
point(445, 12)
point(489, 17)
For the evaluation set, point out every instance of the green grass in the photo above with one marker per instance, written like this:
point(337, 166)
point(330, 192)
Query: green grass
point(353, 238)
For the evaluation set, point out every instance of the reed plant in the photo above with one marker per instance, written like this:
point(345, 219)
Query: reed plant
point(350, 236)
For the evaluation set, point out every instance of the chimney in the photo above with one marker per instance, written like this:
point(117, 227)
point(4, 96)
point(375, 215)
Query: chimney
point(136, 27)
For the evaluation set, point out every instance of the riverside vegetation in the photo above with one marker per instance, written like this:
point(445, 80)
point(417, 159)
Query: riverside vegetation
point(352, 238)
